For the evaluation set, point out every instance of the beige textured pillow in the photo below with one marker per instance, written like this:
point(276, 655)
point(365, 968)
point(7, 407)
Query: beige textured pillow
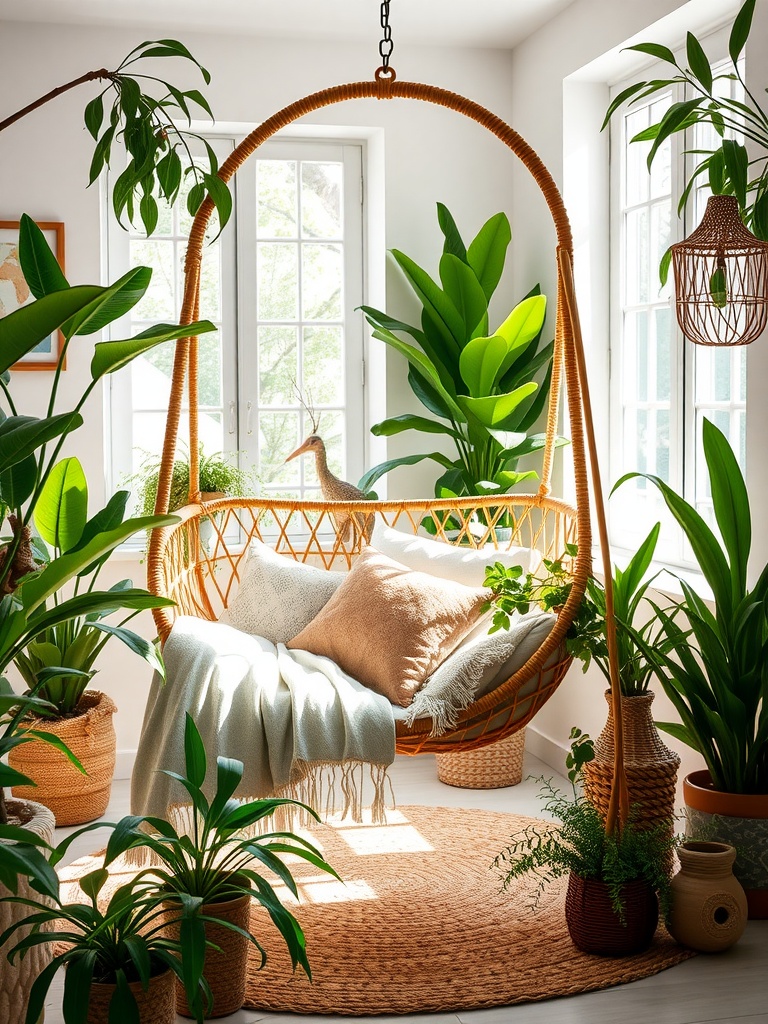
point(390, 627)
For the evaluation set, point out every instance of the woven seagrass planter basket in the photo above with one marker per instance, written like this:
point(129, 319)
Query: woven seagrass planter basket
point(17, 979)
point(595, 927)
point(225, 971)
point(156, 1006)
point(650, 765)
point(491, 767)
point(73, 797)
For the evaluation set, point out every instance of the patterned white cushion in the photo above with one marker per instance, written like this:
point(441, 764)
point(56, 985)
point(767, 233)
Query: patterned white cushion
point(278, 596)
point(437, 558)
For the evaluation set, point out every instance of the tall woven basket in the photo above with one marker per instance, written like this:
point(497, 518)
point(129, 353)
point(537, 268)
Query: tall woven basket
point(651, 767)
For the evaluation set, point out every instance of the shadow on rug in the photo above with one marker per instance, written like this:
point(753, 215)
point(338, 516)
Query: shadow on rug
point(420, 924)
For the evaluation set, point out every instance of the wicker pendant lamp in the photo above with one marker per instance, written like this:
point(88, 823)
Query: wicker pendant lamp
point(721, 278)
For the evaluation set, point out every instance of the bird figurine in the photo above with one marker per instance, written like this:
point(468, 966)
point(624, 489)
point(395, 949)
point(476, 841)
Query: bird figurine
point(332, 488)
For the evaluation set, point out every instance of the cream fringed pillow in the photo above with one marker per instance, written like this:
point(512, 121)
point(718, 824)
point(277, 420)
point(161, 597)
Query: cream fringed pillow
point(390, 627)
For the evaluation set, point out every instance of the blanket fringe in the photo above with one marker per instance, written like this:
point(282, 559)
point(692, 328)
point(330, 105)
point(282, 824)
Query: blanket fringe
point(333, 789)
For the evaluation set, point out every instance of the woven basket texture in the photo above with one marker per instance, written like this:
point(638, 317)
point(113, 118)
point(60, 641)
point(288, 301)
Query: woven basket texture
point(651, 767)
point(594, 925)
point(156, 1006)
point(16, 980)
point(226, 971)
point(73, 797)
point(492, 767)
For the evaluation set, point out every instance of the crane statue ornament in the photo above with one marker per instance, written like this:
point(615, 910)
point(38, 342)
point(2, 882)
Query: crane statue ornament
point(332, 488)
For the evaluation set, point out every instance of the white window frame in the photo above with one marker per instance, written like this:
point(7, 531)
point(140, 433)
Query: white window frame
point(351, 154)
point(238, 313)
point(684, 433)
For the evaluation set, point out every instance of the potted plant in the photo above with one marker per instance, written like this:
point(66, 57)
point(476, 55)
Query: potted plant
point(174, 915)
point(211, 855)
point(651, 767)
point(715, 672)
point(120, 961)
point(35, 485)
point(23, 849)
point(728, 168)
point(616, 879)
point(477, 385)
point(81, 719)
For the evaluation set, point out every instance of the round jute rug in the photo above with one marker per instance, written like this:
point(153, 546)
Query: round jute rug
point(420, 924)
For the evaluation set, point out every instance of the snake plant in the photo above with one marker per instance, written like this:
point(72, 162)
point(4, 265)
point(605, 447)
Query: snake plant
point(715, 672)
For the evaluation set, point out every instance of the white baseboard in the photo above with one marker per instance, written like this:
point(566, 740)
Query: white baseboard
point(546, 749)
point(124, 762)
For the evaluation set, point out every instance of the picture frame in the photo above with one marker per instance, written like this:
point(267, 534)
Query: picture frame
point(14, 291)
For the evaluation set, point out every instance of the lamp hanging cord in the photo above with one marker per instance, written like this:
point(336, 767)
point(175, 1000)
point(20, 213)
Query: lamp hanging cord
point(386, 46)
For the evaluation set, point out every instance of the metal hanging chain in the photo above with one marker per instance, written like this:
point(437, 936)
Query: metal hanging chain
point(386, 46)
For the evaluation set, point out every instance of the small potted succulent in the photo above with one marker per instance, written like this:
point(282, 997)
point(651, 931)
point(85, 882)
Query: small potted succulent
point(616, 880)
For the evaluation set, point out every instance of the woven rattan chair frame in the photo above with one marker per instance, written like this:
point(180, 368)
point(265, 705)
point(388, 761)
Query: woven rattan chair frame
point(177, 563)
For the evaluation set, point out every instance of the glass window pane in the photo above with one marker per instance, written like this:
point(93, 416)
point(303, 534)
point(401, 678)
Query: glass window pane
point(637, 257)
point(210, 284)
point(278, 437)
point(278, 281)
point(722, 374)
point(660, 177)
point(151, 379)
point(322, 277)
point(662, 444)
point(159, 301)
point(636, 172)
point(278, 365)
point(663, 327)
point(276, 199)
point(641, 369)
point(323, 364)
point(661, 216)
point(321, 205)
point(210, 370)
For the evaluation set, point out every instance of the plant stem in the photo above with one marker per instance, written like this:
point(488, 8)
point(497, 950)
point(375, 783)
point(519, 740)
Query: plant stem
point(90, 76)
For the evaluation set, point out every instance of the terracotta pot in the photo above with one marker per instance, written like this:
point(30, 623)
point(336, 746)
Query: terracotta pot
point(651, 767)
point(741, 821)
point(225, 972)
point(595, 927)
point(156, 1006)
point(17, 979)
point(73, 797)
point(708, 908)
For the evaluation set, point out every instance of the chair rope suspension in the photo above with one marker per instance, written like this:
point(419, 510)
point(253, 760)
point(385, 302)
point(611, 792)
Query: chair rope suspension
point(174, 569)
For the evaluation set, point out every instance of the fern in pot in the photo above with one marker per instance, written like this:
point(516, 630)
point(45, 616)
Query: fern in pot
point(616, 880)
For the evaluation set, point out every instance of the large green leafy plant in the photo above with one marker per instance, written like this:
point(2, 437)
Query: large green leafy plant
point(143, 114)
point(30, 447)
point(62, 521)
point(715, 672)
point(728, 169)
point(477, 384)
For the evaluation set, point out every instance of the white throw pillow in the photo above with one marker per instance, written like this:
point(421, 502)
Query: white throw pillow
point(278, 596)
point(437, 558)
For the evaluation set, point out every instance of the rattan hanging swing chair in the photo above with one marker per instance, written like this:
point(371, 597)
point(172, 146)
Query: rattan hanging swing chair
point(201, 578)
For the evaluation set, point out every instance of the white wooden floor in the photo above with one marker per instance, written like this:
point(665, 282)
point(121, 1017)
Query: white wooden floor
point(726, 988)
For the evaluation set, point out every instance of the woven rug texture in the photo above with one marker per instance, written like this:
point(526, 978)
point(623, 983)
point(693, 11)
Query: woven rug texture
point(419, 924)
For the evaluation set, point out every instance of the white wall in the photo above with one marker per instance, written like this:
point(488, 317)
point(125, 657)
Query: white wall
point(431, 154)
point(561, 76)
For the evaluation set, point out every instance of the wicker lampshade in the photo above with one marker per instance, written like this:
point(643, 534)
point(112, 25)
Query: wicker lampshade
point(721, 278)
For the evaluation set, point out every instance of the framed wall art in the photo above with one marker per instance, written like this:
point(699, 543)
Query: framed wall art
point(14, 291)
